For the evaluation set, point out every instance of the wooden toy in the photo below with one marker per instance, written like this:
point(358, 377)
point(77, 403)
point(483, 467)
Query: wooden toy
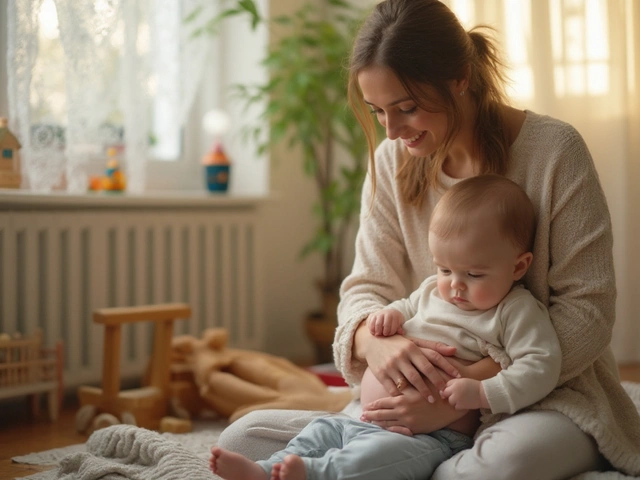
point(9, 158)
point(233, 382)
point(175, 425)
point(27, 368)
point(145, 406)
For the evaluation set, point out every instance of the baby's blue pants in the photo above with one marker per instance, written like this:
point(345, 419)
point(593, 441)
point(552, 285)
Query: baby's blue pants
point(340, 447)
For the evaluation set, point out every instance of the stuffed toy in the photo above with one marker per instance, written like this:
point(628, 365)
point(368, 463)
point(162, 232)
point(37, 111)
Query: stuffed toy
point(235, 382)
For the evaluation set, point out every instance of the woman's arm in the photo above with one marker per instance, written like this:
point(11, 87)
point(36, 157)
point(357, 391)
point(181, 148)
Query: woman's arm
point(381, 274)
point(573, 269)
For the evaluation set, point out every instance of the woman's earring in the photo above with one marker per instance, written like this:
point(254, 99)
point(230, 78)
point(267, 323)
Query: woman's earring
point(462, 93)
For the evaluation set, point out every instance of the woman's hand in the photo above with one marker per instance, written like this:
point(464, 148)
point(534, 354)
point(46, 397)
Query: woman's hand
point(409, 414)
point(397, 360)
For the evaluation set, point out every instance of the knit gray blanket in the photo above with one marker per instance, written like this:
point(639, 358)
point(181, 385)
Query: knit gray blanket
point(127, 452)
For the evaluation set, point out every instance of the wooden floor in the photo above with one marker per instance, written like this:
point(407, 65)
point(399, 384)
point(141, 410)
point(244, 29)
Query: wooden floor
point(21, 434)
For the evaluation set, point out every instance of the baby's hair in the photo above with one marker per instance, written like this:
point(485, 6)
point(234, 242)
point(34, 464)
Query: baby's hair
point(506, 199)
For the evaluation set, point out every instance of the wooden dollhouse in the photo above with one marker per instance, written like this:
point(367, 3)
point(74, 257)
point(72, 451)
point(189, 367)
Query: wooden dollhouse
point(27, 368)
point(9, 157)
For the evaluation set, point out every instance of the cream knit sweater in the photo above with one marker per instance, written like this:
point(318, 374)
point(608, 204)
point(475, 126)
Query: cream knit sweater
point(572, 274)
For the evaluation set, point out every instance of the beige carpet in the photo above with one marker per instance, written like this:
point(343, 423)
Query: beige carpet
point(205, 434)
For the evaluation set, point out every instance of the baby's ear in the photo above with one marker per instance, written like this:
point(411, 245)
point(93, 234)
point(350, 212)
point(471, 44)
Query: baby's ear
point(523, 262)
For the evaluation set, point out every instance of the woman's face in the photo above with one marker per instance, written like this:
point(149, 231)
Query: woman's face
point(421, 131)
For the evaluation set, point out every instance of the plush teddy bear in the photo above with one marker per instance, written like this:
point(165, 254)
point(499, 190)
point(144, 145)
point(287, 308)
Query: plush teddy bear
point(235, 382)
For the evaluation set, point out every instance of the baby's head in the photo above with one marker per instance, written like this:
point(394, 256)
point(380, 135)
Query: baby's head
point(481, 236)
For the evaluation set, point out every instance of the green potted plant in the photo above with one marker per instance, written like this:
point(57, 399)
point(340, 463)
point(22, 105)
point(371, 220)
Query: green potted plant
point(305, 105)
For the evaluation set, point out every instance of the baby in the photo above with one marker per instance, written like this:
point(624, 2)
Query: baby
point(480, 236)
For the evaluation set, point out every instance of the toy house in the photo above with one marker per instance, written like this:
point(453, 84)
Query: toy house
point(9, 157)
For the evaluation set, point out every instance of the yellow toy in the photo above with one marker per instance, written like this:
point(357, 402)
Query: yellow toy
point(235, 382)
point(114, 179)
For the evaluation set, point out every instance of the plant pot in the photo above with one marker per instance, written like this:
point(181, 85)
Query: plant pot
point(321, 331)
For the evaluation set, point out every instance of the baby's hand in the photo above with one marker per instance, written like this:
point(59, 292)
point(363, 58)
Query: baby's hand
point(385, 322)
point(465, 394)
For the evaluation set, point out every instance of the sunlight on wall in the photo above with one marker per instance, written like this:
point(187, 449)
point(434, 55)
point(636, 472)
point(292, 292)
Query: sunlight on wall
point(578, 36)
point(580, 47)
point(518, 33)
point(631, 51)
point(465, 11)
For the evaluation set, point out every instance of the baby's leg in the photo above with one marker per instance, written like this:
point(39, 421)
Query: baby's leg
point(291, 468)
point(233, 466)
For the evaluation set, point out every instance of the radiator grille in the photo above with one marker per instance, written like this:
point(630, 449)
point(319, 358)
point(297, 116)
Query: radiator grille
point(56, 267)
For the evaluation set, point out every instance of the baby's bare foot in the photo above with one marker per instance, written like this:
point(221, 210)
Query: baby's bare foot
point(291, 468)
point(233, 466)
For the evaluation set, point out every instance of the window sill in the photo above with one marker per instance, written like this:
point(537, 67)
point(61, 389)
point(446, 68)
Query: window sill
point(27, 200)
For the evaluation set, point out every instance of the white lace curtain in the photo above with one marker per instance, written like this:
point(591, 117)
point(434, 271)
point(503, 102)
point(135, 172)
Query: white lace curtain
point(115, 57)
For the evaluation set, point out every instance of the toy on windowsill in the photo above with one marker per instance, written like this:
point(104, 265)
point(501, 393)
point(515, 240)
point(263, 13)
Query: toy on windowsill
point(217, 167)
point(216, 163)
point(9, 157)
point(114, 179)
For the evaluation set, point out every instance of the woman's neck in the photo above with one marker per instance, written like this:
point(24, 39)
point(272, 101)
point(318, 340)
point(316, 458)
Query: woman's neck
point(460, 162)
point(513, 121)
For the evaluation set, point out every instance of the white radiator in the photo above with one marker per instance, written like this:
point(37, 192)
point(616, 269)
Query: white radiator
point(57, 266)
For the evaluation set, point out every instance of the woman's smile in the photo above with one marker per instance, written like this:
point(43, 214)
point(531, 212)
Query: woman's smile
point(415, 140)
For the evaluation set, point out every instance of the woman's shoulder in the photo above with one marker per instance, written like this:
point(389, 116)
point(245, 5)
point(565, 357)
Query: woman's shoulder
point(544, 131)
point(547, 146)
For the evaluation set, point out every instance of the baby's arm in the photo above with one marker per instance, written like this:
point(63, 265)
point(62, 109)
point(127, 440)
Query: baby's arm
point(531, 343)
point(385, 322)
point(465, 394)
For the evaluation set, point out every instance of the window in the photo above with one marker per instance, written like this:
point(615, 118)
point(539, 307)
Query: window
point(580, 47)
point(127, 75)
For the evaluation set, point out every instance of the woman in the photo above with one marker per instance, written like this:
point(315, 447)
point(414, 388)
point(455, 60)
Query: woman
point(438, 92)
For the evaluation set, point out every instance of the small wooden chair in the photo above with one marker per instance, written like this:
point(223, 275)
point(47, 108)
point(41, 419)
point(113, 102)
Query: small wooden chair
point(143, 406)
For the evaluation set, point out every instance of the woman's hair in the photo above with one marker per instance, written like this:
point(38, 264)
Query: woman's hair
point(424, 45)
point(475, 197)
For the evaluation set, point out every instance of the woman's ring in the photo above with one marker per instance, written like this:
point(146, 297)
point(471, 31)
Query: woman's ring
point(400, 384)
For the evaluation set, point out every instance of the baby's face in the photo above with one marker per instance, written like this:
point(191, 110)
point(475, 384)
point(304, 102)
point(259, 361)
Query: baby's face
point(475, 270)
